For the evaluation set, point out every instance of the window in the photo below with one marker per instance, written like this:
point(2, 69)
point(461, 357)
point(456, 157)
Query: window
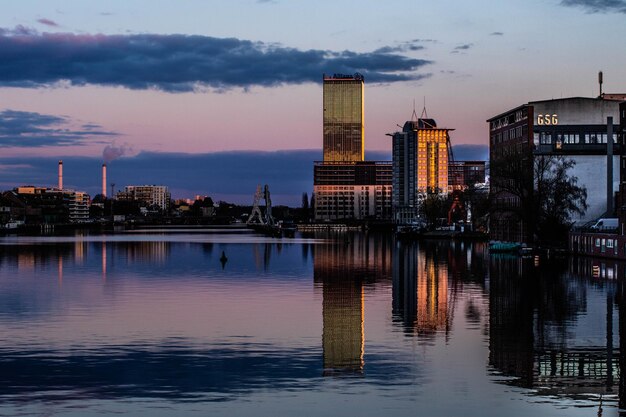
point(545, 138)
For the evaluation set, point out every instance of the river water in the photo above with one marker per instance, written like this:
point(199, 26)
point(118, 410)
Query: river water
point(173, 323)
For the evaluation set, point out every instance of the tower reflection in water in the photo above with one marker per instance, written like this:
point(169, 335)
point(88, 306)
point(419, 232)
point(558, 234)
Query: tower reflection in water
point(341, 269)
point(427, 278)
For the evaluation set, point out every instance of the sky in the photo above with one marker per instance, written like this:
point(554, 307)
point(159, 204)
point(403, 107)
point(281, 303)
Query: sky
point(158, 87)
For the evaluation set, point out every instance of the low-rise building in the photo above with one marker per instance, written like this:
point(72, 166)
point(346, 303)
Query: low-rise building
point(52, 205)
point(151, 195)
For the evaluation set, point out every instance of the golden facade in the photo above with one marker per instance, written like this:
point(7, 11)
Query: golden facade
point(343, 119)
point(432, 160)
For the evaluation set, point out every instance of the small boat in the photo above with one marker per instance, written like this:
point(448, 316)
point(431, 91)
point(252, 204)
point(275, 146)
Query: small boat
point(504, 247)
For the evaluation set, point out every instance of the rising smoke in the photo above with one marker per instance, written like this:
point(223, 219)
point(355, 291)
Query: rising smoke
point(112, 152)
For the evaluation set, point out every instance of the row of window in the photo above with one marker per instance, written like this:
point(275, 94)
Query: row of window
point(511, 118)
point(547, 138)
point(510, 134)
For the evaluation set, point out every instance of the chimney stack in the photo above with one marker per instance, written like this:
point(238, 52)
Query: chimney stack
point(60, 175)
point(104, 180)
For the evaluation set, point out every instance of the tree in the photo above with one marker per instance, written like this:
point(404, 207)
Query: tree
point(435, 206)
point(305, 201)
point(539, 191)
point(557, 196)
point(476, 200)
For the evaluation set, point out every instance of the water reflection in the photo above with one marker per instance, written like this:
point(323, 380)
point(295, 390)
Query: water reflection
point(552, 327)
point(162, 319)
point(343, 266)
point(427, 280)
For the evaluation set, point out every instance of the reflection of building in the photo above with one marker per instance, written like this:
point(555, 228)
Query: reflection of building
point(342, 312)
point(432, 296)
point(141, 252)
point(158, 195)
point(343, 336)
point(404, 290)
point(575, 128)
point(346, 187)
point(546, 327)
point(420, 165)
point(340, 270)
point(343, 118)
point(420, 289)
point(359, 190)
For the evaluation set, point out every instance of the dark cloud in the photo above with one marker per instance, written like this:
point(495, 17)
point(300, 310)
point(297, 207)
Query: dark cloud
point(413, 45)
point(48, 22)
point(18, 30)
point(181, 63)
point(425, 40)
point(230, 176)
point(598, 6)
point(496, 33)
point(29, 129)
point(462, 48)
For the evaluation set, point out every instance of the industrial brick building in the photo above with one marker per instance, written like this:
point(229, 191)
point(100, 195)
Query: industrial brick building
point(581, 129)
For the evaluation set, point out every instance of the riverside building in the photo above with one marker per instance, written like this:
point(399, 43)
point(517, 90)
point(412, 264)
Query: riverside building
point(345, 186)
point(420, 166)
point(158, 195)
point(579, 128)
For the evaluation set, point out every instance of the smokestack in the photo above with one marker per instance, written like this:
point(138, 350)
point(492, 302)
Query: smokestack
point(60, 175)
point(104, 180)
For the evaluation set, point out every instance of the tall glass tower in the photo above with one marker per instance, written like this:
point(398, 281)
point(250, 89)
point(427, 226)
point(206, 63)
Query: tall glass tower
point(420, 166)
point(343, 118)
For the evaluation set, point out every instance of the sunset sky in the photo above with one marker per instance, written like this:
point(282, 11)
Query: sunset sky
point(203, 80)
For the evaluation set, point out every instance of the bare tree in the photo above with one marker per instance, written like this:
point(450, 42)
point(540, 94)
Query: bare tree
point(539, 191)
point(557, 197)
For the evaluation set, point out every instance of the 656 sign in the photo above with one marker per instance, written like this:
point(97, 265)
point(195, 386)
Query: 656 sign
point(547, 119)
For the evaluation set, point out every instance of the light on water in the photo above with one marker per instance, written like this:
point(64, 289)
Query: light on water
point(233, 324)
